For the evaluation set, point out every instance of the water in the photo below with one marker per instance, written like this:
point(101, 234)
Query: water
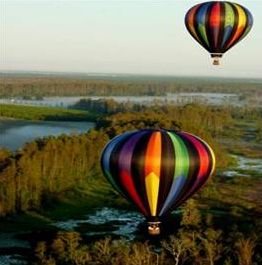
point(109, 220)
point(15, 133)
point(9, 241)
point(104, 221)
point(244, 165)
point(12, 260)
point(179, 98)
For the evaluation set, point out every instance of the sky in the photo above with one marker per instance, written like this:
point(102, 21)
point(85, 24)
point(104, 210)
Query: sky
point(136, 37)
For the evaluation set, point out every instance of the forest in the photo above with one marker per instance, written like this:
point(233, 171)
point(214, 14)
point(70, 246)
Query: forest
point(39, 180)
point(58, 178)
point(37, 87)
point(53, 165)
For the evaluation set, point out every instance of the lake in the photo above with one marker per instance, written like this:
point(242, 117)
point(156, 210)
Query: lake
point(15, 133)
point(178, 98)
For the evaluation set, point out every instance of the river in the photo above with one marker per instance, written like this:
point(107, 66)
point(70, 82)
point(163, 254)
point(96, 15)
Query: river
point(15, 133)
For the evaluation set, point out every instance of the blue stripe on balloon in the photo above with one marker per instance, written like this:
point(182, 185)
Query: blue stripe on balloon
point(175, 190)
point(106, 158)
point(201, 18)
point(227, 34)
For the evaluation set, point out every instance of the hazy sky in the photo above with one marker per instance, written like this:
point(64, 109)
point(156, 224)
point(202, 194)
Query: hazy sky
point(144, 37)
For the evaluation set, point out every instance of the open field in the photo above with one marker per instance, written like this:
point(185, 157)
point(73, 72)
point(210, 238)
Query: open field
point(44, 113)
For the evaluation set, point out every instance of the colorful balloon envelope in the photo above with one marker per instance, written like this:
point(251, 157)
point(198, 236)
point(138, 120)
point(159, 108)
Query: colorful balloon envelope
point(157, 170)
point(218, 26)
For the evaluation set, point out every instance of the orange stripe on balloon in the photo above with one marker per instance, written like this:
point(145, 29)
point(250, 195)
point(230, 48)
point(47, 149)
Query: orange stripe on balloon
point(190, 21)
point(237, 36)
point(153, 155)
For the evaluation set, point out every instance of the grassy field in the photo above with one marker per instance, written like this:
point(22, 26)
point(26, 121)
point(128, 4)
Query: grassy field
point(44, 113)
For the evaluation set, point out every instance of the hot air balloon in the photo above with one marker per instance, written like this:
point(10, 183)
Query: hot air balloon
point(157, 170)
point(218, 26)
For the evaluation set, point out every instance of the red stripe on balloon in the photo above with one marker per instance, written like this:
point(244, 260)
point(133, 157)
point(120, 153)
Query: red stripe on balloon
point(203, 156)
point(129, 186)
point(215, 20)
point(203, 165)
point(215, 15)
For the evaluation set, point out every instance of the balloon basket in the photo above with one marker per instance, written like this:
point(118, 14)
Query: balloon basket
point(154, 228)
point(216, 57)
point(216, 62)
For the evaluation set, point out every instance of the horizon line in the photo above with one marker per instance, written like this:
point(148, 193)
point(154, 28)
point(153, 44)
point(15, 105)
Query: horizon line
point(116, 74)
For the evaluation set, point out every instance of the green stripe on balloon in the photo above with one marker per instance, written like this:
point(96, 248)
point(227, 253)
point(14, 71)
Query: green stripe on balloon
point(181, 172)
point(181, 154)
point(229, 16)
point(202, 32)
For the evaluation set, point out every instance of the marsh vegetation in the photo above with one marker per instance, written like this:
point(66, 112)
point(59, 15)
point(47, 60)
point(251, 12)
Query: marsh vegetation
point(54, 198)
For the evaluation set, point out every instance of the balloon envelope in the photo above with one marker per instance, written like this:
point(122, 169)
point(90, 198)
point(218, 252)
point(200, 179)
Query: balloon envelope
point(218, 25)
point(157, 170)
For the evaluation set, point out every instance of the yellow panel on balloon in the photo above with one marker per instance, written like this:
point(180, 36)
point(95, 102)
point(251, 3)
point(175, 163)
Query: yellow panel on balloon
point(152, 188)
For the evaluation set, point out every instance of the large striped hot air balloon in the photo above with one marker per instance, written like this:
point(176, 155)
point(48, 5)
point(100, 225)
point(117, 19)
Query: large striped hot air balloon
point(157, 170)
point(218, 26)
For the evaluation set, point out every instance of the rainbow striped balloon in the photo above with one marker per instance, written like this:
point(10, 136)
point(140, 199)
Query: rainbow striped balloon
point(157, 170)
point(218, 25)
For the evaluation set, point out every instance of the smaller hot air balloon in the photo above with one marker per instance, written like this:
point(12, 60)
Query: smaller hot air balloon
point(157, 170)
point(218, 26)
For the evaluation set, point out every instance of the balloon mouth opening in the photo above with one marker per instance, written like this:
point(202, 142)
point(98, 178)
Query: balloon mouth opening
point(154, 228)
point(216, 57)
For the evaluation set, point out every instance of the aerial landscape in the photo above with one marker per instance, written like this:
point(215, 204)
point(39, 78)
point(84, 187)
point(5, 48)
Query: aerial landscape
point(130, 155)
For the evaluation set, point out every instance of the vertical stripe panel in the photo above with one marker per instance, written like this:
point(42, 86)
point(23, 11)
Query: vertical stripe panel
point(190, 22)
point(152, 170)
point(181, 161)
point(105, 160)
point(229, 24)
point(201, 22)
point(203, 173)
point(215, 23)
point(249, 24)
point(138, 167)
point(242, 21)
point(124, 167)
point(153, 155)
point(167, 169)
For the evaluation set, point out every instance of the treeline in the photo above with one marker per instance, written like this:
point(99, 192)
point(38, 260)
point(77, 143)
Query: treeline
point(52, 165)
point(108, 106)
point(68, 248)
point(209, 117)
point(196, 241)
point(205, 121)
point(193, 116)
point(39, 86)
point(45, 113)
point(45, 168)
point(111, 106)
